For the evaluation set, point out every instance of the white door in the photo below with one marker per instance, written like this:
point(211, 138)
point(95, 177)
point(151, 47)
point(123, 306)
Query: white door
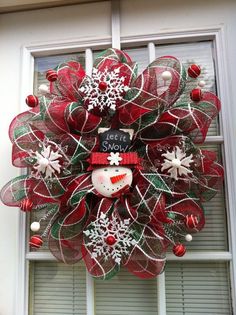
point(202, 282)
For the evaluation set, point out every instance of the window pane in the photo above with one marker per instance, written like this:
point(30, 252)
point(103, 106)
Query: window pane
point(139, 55)
point(198, 288)
point(199, 53)
point(57, 288)
point(126, 294)
point(42, 64)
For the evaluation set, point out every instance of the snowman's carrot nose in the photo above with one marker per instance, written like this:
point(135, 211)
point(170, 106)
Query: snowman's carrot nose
point(117, 178)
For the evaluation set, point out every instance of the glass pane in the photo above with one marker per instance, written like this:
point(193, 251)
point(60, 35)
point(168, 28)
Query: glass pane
point(199, 53)
point(57, 288)
point(198, 288)
point(126, 294)
point(139, 55)
point(42, 64)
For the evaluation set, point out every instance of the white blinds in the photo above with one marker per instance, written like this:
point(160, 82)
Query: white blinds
point(126, 294)
point(57, 289)
point(197, 289)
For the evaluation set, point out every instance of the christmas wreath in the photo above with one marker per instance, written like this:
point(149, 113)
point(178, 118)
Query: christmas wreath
point(113, 162)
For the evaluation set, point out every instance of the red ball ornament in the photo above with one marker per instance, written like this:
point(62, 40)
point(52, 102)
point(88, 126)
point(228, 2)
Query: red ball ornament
point(110, 240)
point(191, 221)
point(32, 101)
point(51, 75)
point(26, 205)
point(196, 95)
point(194, 71)
point(179, 250)
point(36, 241)
point(102, 86)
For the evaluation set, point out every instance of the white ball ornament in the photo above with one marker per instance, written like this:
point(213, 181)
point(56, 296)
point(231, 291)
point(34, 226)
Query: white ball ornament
point(188, 237)
point(201, 83)
point(166, 75)
point(35, 226)
point(43, 89)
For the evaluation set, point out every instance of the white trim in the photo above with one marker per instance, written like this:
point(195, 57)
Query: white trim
point(70, 46)
point(21, 297)
point(201, 256)
point(90, 299)
point(27, 76)
point(161, 294)
point(214, 139)
point(115, 23)
point(21, 291)
point(88, 61)
point(222, 68)
point(40, 256)
point(151, 52)
point(194, 34)
point(89, 280)
point(211, 256)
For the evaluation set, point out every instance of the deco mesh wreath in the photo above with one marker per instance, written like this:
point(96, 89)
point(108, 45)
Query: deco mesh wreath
point(113, 163)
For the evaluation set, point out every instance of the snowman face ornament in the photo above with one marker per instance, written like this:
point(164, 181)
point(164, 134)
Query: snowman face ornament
point(109, 180)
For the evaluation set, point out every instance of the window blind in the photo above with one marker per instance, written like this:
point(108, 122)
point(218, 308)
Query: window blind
point(126, 294)
point(197, 289)
point(57, 289)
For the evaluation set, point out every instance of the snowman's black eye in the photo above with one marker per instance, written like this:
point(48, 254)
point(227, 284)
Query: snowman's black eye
point(117, 170)
point(105, 169)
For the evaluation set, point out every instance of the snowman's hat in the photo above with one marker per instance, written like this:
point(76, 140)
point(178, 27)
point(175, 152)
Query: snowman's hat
point(114, 145)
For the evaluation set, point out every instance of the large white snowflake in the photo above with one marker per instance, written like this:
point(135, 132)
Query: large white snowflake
point(177, 163)
point(103, 89)
point(47, 162)
point(110, 238)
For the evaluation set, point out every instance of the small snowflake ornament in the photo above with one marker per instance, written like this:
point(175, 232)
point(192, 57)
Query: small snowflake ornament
point(177, 163)
point(114, 158)
point(103, 91)
point(47, 162)
point(110, 238)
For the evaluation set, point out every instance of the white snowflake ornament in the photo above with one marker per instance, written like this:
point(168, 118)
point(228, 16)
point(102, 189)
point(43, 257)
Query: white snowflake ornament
point(103, 90)
point(110, 180)
point(177, 163)
point(109, 238)
point(114, 158)
point(47, 162)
